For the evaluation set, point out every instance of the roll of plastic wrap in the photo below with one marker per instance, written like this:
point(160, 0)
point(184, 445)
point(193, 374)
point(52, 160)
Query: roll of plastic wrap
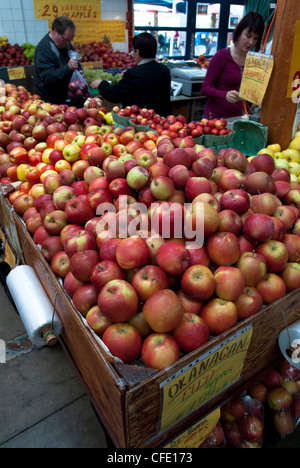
point(289, 344)
point(33, 304)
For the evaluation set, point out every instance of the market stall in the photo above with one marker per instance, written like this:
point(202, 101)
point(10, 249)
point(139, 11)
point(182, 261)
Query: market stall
point(198, 221)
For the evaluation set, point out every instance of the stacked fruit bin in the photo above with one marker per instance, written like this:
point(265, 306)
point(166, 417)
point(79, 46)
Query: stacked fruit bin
point(142, 404)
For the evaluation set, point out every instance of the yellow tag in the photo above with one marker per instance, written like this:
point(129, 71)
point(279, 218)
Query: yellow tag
point(256, 76)
point(196, 434)
point(17, 73)
point(203, 379)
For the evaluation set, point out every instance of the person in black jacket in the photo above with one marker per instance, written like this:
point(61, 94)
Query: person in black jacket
point(147, 85)
point(53, 66)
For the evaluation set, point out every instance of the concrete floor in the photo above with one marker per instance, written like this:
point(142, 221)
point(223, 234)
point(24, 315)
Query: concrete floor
point(43, 404)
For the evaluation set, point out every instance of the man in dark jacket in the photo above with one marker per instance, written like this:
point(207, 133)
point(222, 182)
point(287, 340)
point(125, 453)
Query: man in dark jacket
point(147, 85)
point(53, 66)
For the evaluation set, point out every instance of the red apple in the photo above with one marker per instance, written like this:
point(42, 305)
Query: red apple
point(191, 333)
point(159, 351)
point(55, 221)
point(230, 221)
point(118, 300)
point(163, 311)
point(82, 264)
point(271, 288)
point(258, 227)
point(198, 282)
point(253, 266)
point(292, 244)
point(291, 275)
point(78, 211)
point(132, 252)
point(230, 282)
point(60, 264)
point(236, 200)
point(97, 321)
point(275, 254)
point(248, 303)
point(51, 246)
point(251, 428)
point(105, 271)
point(124, 341)
point(173, 258)
point(219, 314)
point(71, 284)
point(223, 248)
point(84, 298)
point(79, 240)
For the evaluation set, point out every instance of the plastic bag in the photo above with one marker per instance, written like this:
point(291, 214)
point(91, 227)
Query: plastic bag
point(279, 391)
point(78, 87)
point(243, 422)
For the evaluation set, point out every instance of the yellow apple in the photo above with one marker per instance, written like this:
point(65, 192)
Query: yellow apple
point(21, 171)
point(278, 155)
point(294, 178)
point(46, 154)
point(268, 151)
point(274, 147)
point(291, 155)
point(44, 174)
point(297, 134)
point(281, 163)
point(295, 144)
point(294, 168)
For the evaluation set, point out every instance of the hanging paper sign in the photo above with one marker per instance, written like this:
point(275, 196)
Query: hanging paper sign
point(76, 10)
point(257, 72)
point(203, 379)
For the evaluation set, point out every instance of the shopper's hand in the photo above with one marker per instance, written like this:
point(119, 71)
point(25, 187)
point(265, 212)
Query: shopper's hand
point(73, 63)
point(232, 96)
point(94, 84)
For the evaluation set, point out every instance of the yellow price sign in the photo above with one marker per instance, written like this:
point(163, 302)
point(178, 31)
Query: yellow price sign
point(203, 379)
point(196, 434)
point(256, 76)
point(76, 10)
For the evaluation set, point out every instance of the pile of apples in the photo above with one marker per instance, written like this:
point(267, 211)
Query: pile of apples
point(288, 158)
point(173, 126)
point(96, 51)
point(11, 55)
point(119, 215)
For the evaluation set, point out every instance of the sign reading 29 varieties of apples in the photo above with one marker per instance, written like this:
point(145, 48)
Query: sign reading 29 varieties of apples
point(256, 76)
point(203, 379)
point(85, 15)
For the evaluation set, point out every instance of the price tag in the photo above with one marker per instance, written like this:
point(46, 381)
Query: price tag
point(17, 73)
point(196, 434)
point(203, 379)
point(256, 76)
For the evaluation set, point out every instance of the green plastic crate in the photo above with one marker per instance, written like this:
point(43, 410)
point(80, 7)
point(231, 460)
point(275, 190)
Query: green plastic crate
point(119, 119)
point(249, 137)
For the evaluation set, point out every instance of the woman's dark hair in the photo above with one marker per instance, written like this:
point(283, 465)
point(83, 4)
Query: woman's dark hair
point(146, 44)
point(61, 23)
point(255, 23)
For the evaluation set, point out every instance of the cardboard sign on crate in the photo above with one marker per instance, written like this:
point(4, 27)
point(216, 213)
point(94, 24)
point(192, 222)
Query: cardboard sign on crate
point(92, 65)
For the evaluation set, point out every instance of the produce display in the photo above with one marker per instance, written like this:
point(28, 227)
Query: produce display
point(11, 55)
point(268, 409)
point(96, 51)
point(173, 126)
point(98, 73)
point(160, 243)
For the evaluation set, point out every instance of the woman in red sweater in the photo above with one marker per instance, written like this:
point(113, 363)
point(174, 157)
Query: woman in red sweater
point(223, 78)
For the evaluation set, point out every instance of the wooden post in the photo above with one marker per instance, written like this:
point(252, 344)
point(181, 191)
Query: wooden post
point(278, 111)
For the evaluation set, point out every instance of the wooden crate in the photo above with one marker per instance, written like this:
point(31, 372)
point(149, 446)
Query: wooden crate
point(128, 398)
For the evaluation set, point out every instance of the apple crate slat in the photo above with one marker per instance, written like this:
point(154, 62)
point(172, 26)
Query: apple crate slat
point(128, 398)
